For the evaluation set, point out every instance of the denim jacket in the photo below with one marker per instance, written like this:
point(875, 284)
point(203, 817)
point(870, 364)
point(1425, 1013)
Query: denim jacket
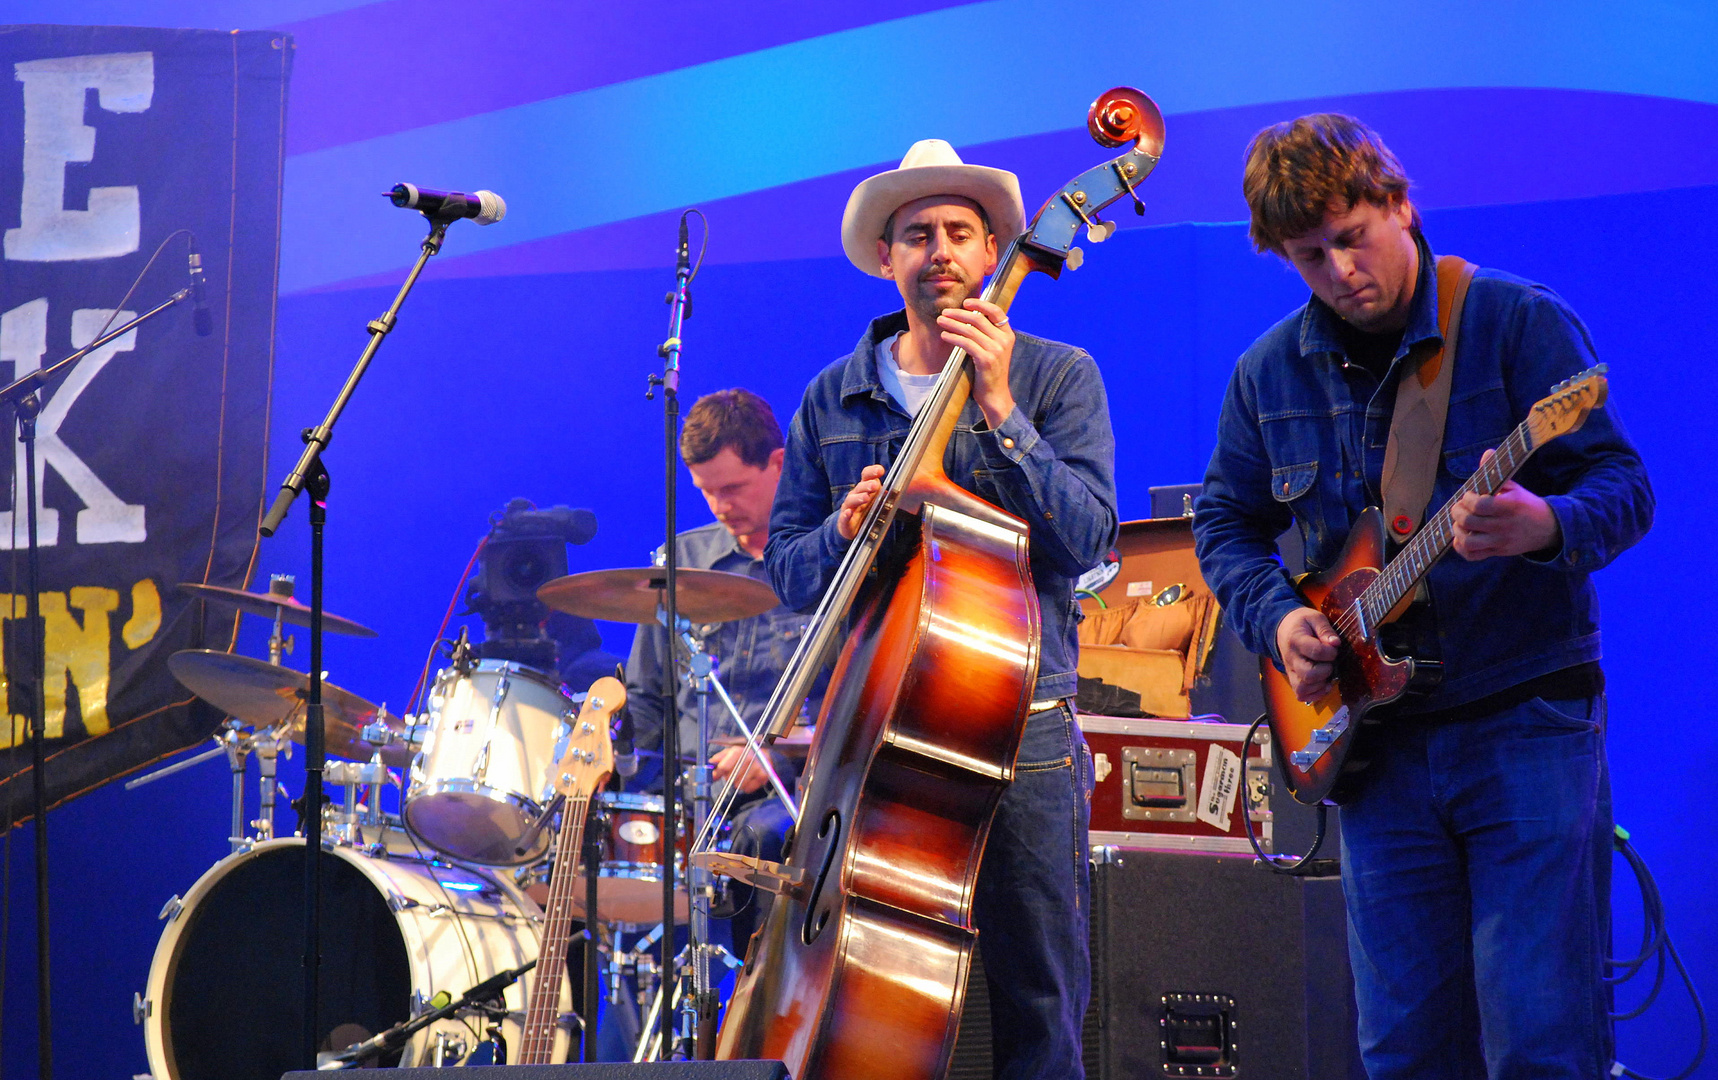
point(1051, 463)
point(1302, 435)
point(751, 654)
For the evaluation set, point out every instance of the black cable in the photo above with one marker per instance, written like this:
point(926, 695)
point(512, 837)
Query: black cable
point(703, 245)
point(1657, 936)
point(1305, 865)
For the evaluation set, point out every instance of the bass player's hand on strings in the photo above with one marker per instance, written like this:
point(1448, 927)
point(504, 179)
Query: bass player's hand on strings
point(851, 513)
point(1513, 521)
point(1308, 644)
point(981, 328)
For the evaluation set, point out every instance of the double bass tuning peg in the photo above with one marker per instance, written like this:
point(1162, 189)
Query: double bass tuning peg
point(1099, 231)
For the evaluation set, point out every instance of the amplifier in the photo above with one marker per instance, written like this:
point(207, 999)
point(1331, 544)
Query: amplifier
point(1203, 966)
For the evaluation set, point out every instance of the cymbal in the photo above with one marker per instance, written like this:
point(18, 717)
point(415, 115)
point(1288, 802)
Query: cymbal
point(268, 603)
point(264, 695)
point(632, 595)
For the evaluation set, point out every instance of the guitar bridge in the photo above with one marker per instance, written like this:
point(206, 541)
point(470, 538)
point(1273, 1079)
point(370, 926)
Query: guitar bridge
point(1322, 740)
point(759, 873)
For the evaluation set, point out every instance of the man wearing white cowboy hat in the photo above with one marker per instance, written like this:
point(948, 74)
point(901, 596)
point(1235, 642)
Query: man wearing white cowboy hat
point(1035, 439)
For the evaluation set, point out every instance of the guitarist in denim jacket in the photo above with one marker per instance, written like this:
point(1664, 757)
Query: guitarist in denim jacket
point(1476, 846)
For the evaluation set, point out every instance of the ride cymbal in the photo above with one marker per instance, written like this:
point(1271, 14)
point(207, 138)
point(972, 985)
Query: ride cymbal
point(633, 595)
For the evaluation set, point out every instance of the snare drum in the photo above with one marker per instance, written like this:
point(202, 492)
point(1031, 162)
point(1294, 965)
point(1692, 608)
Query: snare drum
point(478, 784)
point(629, 879)
point(226, 985)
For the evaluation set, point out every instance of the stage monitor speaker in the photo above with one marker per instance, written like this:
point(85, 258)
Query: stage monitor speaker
point(1204, 966)
point(664, 1070)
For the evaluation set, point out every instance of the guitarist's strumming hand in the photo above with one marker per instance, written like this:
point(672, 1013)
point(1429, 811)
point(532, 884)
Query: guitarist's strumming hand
point(1514, 521)
point(1308, 644)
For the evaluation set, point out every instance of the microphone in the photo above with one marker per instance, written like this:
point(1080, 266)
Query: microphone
point(200, 320)
point(483, 207)
point(683, 267)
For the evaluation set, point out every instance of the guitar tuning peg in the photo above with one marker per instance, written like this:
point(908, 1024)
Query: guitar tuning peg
point(1074, 259)
point(1099, 231)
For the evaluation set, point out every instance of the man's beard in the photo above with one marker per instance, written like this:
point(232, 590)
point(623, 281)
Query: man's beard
point(928, 303)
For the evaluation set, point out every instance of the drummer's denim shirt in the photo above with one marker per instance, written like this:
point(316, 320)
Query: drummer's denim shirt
point(751, 654)
point(1051, 463)
point(1302, 435)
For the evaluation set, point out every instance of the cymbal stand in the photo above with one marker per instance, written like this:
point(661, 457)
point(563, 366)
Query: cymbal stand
point(270, 746)
point(238, 748)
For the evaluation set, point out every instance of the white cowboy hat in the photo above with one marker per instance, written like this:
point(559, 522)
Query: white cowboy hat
point(931, 167)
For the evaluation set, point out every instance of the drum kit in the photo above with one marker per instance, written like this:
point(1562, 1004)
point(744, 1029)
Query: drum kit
point(423, 904)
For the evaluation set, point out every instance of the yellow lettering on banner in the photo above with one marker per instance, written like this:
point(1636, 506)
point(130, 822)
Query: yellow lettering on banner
point(80, 650)
point(145, 615)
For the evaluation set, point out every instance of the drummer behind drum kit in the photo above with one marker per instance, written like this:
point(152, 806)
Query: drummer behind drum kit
point(419, 905)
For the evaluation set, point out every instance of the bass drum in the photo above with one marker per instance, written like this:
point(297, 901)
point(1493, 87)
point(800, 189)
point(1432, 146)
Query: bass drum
point(227, 982)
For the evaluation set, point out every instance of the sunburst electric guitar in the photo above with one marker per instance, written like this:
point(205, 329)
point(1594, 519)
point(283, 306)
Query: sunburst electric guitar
point(582, 771)
point(1320, 747)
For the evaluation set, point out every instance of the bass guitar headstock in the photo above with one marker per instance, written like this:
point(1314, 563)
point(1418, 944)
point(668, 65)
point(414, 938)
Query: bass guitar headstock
point(1565, 408)
point(589, 756)
point(1117, 117)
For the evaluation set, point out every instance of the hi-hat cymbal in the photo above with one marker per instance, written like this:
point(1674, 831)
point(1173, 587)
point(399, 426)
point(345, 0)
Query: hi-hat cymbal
point(268, 603)
point(264, 694)
point(633, 595)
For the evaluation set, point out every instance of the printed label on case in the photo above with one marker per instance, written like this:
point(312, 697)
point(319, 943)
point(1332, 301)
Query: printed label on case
point(1222, 782)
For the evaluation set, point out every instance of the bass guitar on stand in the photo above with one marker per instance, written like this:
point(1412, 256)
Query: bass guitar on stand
point(1319, 745)
point(576, 777)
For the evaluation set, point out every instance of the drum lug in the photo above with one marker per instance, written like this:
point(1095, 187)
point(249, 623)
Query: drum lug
point(141, 1008)
point(171, 909)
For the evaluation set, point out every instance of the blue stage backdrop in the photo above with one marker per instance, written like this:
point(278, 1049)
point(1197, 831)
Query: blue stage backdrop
point(136, 144)
point(1574, 143)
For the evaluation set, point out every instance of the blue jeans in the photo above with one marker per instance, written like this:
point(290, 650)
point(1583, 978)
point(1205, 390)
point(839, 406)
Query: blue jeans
point(1476, 865)
point(1032, 902)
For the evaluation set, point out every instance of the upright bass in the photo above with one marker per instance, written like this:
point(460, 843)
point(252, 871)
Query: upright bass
point(861, 967)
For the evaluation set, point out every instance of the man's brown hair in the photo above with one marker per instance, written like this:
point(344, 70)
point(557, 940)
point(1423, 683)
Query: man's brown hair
point(1298, 170)
point(736, 418)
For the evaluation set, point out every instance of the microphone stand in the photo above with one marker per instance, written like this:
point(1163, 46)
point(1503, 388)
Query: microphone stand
point(680, 308)
point(310, 474)
point(26, 404)
point(489, 989)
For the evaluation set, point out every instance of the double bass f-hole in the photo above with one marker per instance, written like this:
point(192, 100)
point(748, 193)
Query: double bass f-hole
point(816, 912)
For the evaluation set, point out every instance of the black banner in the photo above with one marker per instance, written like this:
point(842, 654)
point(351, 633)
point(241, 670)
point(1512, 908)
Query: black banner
point(116, 145)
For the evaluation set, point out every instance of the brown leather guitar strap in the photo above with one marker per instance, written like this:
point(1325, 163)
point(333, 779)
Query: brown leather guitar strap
point(1416, 440)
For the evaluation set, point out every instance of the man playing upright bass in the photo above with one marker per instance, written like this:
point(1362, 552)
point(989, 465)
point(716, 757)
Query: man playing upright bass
point(1035, 440)
point(1476, 846)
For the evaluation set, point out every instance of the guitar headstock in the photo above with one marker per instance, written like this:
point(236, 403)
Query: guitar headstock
point(590, 748)
point(1118, 116)
point(1565, 408)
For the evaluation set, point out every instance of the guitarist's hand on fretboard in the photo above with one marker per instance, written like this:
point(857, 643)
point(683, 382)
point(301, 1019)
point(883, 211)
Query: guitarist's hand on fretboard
point(1308, 644)
point(1514, 521)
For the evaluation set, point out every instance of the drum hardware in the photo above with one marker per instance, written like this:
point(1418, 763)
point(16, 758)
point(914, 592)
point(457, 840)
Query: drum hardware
point(269, 744)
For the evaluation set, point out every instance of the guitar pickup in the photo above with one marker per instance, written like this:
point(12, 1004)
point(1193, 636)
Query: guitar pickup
point(1323, 738)
point(759, 873)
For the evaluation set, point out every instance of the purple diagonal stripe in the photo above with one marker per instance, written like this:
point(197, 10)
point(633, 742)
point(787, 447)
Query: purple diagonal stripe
point(1461, 147)
point(402, 64)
